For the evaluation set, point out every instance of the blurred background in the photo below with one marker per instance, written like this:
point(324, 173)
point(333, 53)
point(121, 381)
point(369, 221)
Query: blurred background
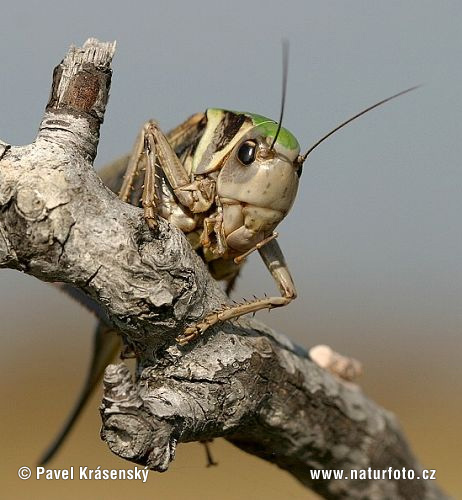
point(374, 239)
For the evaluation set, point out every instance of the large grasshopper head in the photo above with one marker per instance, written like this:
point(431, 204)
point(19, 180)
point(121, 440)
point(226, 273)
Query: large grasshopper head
point(258, 164)
point(258, 170)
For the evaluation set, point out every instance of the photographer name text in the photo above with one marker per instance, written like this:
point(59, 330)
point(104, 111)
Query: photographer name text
point(87, 473)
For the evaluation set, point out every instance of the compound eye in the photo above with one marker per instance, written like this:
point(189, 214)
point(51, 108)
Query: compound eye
point(246, 153)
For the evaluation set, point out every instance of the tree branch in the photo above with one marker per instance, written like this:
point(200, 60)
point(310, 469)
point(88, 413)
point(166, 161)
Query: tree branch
point(58, 222)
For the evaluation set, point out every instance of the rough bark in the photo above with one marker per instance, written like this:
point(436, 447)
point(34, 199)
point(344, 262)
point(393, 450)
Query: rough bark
point(243, 381)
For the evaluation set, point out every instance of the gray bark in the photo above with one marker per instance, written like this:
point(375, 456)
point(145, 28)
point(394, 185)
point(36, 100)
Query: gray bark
point(241, 380)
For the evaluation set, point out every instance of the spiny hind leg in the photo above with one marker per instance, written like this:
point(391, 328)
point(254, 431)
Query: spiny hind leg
point(274, 260)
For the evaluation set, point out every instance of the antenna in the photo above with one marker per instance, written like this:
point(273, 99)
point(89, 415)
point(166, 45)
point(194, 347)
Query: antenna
point(364, 111)
point(285, 70)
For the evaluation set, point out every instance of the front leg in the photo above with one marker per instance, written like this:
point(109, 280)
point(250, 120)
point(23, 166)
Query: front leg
point(258, 246)
point(274, 260)
point(197, 195)
point(152, 150)
point(143, 157)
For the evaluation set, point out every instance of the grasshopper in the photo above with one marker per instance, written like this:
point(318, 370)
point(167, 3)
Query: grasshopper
point(226, 179)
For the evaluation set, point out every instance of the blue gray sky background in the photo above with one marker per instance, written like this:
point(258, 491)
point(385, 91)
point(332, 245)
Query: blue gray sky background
point(374, 240)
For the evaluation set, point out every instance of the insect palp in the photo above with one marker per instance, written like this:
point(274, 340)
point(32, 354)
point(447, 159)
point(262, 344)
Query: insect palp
point(302, 158)
point(285, 70)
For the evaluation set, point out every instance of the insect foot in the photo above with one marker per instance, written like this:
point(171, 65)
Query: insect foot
point(192, 332)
